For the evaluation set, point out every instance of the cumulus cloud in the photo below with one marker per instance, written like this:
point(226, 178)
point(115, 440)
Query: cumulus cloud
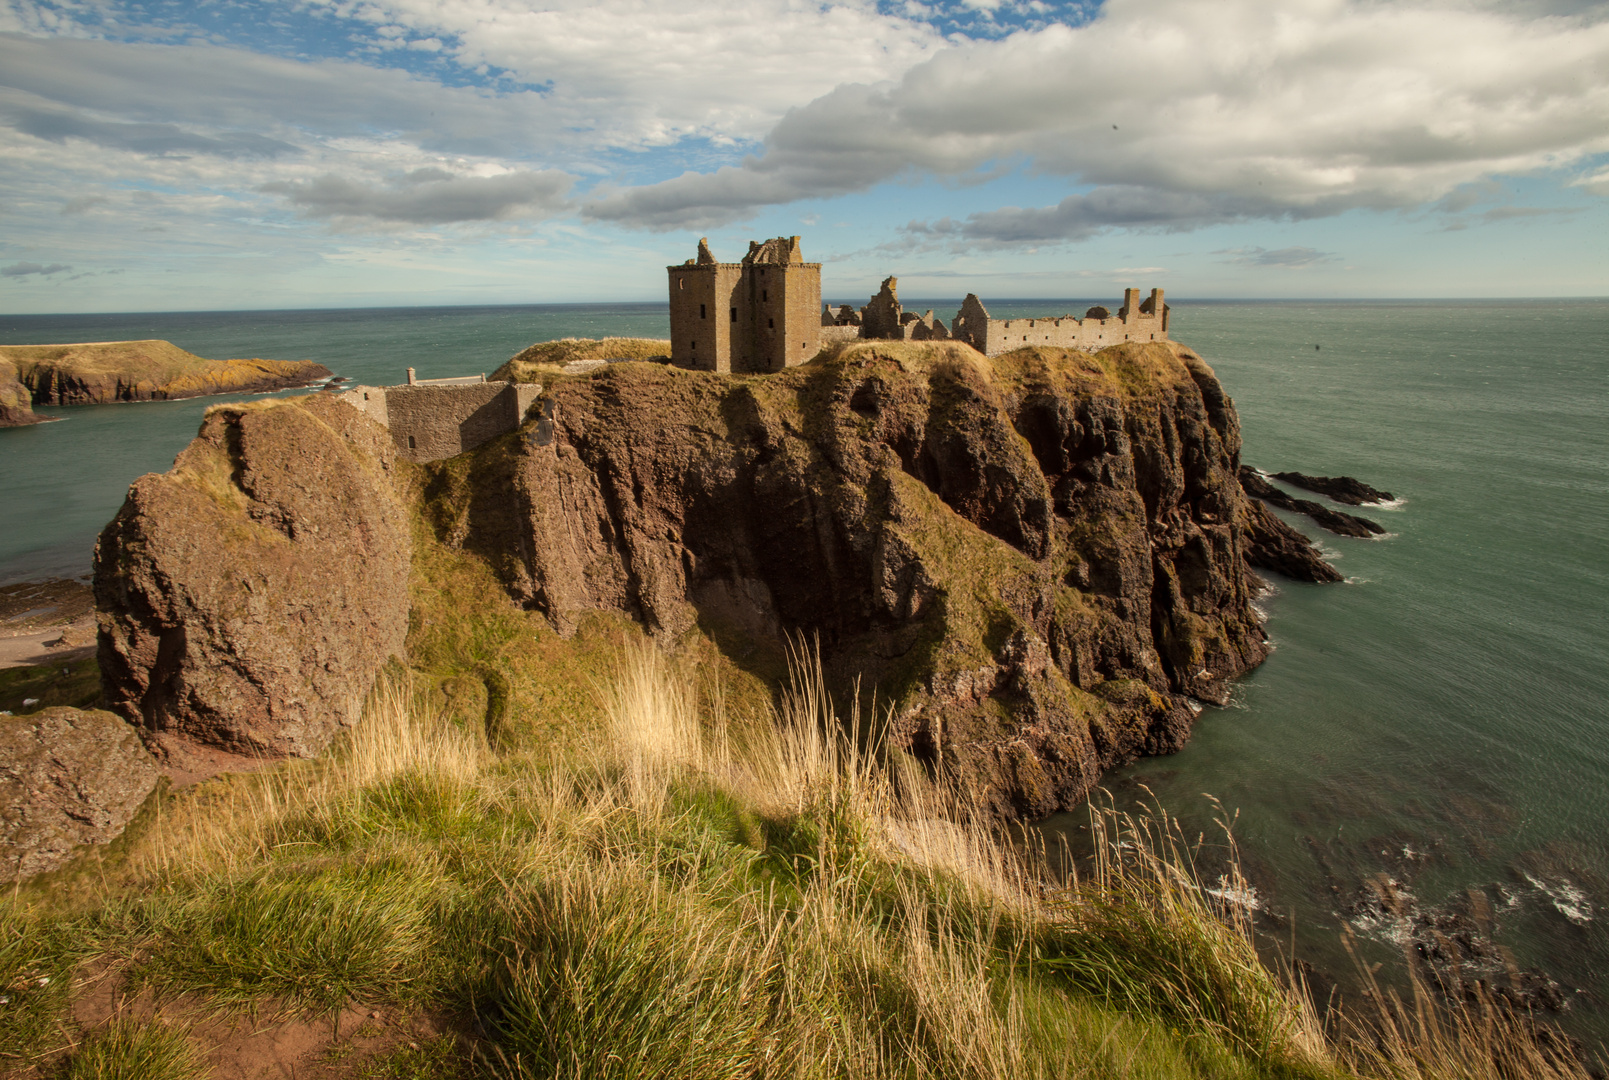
point(428, 197)
point(26, 269)
point(1210, 113)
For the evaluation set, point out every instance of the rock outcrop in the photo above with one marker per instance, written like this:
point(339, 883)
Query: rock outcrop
point(249, 596)
point(16, 403)
point(67, 778)
point(1252, 482)
point(1343, 489)
point(1037, 558)
point(96, 373)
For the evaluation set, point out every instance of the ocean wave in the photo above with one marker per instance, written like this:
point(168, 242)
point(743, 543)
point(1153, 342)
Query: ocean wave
point(1567, 898)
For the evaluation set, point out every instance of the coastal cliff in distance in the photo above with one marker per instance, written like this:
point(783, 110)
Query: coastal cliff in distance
point(16, 403)
point(98, 373)
point(1036, 561)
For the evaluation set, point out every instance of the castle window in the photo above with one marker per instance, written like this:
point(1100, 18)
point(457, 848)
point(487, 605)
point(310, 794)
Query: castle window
point(701, 311)
point(681, 283)
point(411, 445)
point(770, 324)
point(763, 296)
point(695, 346)
point(734, 314)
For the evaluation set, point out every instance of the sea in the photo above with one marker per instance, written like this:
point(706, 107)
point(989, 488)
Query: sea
point(1435, 728)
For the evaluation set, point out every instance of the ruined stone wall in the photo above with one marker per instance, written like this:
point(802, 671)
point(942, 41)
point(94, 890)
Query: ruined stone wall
point(1135, 321)
point(428, 423)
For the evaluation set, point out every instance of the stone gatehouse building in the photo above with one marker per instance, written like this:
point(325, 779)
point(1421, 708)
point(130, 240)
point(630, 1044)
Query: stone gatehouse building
point(761, 314)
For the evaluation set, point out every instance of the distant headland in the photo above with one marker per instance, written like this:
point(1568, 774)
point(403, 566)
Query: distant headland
point(102, 372)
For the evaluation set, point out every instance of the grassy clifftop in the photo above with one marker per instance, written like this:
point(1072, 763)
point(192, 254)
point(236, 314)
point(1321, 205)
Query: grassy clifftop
point(545, 358)
point(97, 372)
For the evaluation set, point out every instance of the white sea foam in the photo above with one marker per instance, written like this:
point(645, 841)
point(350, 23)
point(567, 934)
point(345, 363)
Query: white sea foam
point(1239, 894)
point(1567, 898)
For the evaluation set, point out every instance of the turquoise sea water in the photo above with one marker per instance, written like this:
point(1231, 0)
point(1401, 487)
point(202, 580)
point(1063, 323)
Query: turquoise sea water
point(1441, 718)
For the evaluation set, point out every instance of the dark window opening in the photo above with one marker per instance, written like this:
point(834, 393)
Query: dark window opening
point(763, 296)
point(770, 324)
point(411, 445)
point(695, 346)
point(734, 314)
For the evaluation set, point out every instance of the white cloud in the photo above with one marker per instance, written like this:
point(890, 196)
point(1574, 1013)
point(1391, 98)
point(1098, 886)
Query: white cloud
point(640, 74)
point(1288, 258)
point(429, 197)
point(1179, 114)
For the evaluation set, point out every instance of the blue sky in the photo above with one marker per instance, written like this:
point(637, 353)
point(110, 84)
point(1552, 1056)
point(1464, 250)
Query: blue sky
point(247, 154)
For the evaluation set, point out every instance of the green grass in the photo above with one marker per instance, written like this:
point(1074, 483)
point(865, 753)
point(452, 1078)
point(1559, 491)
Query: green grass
point(130, 1050)
point(76, 683)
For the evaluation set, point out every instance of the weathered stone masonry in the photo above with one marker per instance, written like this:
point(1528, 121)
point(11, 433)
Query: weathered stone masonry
point(882, 318)
point(431, 419)
point(761, 314)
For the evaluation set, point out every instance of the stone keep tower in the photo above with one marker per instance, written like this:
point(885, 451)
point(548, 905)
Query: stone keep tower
point(762, 314)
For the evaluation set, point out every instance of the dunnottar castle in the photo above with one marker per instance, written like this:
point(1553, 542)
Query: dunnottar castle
point(761, 314)
point(765, 314)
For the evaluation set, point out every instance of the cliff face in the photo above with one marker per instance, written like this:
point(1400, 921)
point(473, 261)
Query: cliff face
point(1034, 558)
point(16, 403)
point(97, 373)
point(248, 597)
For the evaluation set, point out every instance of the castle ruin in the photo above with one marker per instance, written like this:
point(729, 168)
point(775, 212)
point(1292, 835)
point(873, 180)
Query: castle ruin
point(760, 314)
point(884, 319)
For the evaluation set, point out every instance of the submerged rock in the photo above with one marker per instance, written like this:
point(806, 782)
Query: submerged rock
point(67, 778)
point(249, 596)
point(1333, 520)
point(1342, 489)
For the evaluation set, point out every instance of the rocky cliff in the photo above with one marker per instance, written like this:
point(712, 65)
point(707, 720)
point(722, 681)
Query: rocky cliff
point(16, 403)
point(1037, 558)
point(96, 373)
point(248, 597)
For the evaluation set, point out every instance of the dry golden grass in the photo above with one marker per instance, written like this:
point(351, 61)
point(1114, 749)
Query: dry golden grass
point(679, 893)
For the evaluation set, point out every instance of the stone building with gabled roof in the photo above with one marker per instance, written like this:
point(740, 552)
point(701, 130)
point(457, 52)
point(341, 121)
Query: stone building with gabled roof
point(761, 314)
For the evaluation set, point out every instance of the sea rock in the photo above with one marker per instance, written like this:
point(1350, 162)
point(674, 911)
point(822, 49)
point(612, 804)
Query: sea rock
point(1342, 489)
point(1333, 520)
point(67, 778)
point(1036, 559)
point(16, 403)
point(248, 597)
point(1273, 545)
point(97, 373)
